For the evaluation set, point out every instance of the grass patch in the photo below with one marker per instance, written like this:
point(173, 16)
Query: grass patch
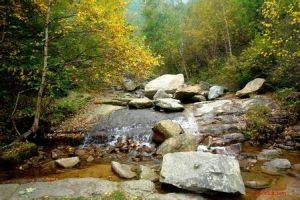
point(68, 105)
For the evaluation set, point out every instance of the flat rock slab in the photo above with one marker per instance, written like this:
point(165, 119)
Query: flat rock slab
point(202, 172)
point(74, 187)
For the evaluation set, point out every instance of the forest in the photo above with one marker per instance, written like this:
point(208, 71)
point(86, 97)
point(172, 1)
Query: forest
point(60, 59)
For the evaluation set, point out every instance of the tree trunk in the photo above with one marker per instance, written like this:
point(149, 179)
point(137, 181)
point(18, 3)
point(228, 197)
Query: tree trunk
point(226, 28)
point(35, 125)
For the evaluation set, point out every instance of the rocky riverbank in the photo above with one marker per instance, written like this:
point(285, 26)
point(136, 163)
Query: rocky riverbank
point(163, 139)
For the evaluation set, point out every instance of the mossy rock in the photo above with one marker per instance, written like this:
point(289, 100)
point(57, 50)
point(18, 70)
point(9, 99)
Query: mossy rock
point(17, 152)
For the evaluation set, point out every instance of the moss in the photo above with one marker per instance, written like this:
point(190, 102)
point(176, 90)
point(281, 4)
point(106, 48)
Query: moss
point(17, 152)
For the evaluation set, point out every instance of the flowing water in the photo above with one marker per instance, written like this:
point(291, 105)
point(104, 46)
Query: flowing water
point(136, 124)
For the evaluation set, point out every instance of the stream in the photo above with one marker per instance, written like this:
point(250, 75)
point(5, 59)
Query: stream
point(137, 124)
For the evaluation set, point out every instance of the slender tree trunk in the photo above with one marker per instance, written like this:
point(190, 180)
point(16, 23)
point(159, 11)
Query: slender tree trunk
point(226, 28)
point(183, 60)
point(35, 125)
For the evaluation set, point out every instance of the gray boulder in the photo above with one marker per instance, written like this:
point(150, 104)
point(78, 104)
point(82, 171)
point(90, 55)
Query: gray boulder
point(202, 172)
point(168, 82)
point(187, 92)
point(140, 103)
point(276, 167)
point(68, 162)
point(122, 170)
point(129, 85)
point(165, 129)
point(251, 87)
point(161, 94)
point(269, 154)
point(168, 104)
point(179, 143)
point(215, 92)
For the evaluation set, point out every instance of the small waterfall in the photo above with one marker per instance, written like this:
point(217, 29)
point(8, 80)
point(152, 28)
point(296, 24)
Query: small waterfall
point(136, 124)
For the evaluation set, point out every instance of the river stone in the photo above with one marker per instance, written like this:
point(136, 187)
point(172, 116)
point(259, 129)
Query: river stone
point(187, 92)
point(129, 85)
point(165, 129)
point(67, 162)
point(169, 105)
point(257, 184)
point(161, 94)
point(122, 170)
point(179, 143)
point(202, 172)
point(215, 92)
point(146, 173)
point(168, 82)
point(251, 87)
point(269, 154)
point(140, 103)
point(276, 166)
point(198, 98)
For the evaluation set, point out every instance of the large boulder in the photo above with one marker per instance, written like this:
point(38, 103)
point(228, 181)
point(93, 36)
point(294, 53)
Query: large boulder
point(17, 152)
point(179, 143)
point(215, 92)
point(68, 162)
point(168, 82)
point(251, 87)
point(161, 94)
point(165, 129)
point(202, 172)
point(122, 170)
point(140, 103)
point(169, 105)
point(187, 92)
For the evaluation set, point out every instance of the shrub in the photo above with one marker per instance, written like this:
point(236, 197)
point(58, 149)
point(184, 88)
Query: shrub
point(257, 119)
point(289, 100)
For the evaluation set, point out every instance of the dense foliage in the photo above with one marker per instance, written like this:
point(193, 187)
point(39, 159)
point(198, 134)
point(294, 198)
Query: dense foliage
point(93, 43)
point(90, 44)
point(228, 41)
